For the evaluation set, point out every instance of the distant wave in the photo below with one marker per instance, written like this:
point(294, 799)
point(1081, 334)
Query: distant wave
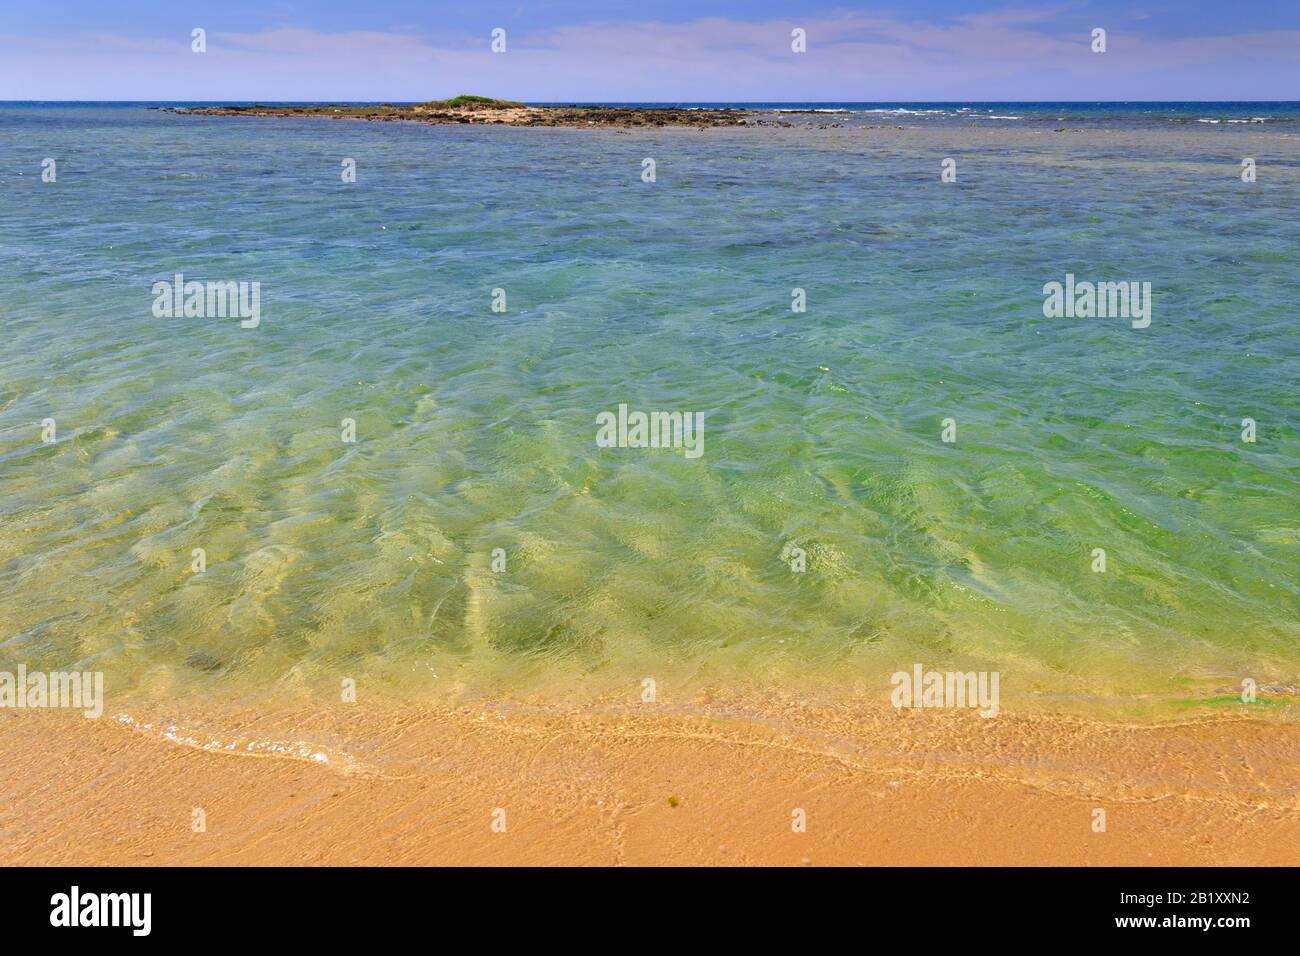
point(900, 111)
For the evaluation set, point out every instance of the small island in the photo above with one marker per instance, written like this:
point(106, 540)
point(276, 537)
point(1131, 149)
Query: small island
point(468, 109)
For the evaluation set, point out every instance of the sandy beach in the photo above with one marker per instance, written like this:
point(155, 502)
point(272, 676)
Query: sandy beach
point(392, 480)
point(718, 782)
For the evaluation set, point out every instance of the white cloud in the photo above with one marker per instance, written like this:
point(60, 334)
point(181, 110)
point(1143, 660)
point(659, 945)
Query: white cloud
point(1016, 54)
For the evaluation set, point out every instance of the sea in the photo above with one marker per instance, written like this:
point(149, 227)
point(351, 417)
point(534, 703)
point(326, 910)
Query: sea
point(400, 473)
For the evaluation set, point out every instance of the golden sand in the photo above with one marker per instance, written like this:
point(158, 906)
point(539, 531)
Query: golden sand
point(719, 782)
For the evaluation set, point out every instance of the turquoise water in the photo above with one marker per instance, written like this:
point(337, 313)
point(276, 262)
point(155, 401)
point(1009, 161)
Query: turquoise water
point(476, 429)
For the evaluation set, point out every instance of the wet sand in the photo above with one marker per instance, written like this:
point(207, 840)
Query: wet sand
point(715, 782)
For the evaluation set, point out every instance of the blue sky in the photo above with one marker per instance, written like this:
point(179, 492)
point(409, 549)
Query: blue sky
point(661, 50)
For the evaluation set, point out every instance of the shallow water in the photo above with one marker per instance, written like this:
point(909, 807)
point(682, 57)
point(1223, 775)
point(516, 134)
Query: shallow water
point(476, 430)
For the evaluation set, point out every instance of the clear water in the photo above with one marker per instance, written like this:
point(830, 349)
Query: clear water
point(476, 430)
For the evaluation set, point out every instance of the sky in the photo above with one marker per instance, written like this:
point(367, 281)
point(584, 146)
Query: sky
point(650, 50)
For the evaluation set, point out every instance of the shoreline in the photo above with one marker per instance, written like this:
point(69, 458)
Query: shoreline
point(710, 782)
